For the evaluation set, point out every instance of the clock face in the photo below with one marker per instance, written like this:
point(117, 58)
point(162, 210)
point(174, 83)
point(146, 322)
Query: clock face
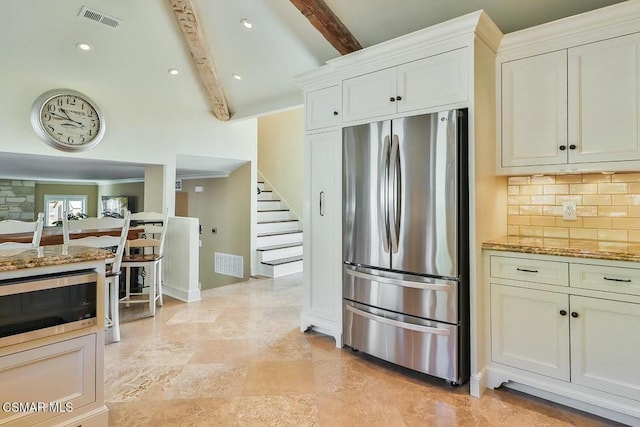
point(67, 120)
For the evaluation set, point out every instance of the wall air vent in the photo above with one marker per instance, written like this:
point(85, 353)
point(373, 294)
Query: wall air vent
point(230, 265)
point(100, 17)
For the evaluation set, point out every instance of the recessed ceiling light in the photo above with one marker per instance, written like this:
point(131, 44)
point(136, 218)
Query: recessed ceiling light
point(247, 24)
point(172, 71)
point(83, 46)
point(237, 76)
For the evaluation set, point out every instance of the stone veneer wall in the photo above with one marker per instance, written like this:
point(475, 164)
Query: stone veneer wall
point(608, 206)
point(17, 199)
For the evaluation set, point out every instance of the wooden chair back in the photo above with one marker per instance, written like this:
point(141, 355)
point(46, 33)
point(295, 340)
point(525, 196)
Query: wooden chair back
point(11, 226)
point(82, 227)
point(153, 234)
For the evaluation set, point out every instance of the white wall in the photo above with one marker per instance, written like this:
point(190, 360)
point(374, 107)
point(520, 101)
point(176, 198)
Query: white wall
point(150, 117)
point(138, 129)
point(280, 141)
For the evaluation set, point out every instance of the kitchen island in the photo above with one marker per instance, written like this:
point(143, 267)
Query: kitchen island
point(563, 320)
point(52, 336)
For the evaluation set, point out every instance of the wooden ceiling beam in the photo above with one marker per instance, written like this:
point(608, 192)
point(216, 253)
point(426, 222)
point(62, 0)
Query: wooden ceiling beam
point(194, 36)
point(329, 25)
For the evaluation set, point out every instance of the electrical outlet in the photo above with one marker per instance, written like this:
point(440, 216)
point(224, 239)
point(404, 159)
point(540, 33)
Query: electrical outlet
point(569, 211)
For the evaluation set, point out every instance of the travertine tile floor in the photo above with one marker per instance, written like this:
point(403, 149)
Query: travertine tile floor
point(238, 358)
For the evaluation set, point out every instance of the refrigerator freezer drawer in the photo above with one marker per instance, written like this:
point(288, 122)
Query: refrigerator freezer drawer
point(418, 296)
point(417, 344)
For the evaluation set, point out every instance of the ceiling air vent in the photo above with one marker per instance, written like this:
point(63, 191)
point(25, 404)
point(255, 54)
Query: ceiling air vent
point(100, 17)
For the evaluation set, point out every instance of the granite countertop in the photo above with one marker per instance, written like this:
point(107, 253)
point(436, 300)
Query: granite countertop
point(16, 259)
point(596, 249)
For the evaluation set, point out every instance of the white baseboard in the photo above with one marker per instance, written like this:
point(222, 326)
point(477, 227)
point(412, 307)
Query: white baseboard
point(478, 383)
point(181, 295)
point(599, 403)
point(576, 404)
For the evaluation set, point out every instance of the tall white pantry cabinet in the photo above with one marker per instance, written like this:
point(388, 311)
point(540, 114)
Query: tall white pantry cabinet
point(447, 66)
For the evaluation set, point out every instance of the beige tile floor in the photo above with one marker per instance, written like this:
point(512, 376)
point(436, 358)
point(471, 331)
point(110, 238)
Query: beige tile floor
point(237, 358)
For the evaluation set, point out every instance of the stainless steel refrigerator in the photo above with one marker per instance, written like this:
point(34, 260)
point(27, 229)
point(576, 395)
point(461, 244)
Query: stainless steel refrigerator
point(405, 242)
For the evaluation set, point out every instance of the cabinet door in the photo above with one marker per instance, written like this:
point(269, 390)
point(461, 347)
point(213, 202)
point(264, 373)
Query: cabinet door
point(534, 110)
point(605, 345)
point(322, 202)
point(370, 95)
point(434, 81)
point(528, 330)
point(322, 108)
point(604, 89)
point(64, 371)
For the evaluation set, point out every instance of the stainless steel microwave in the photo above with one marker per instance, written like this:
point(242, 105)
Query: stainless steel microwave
point(40, 306)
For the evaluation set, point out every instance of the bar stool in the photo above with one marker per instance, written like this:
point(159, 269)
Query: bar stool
point(84, 228)
point(10, 226)
point(149, 253)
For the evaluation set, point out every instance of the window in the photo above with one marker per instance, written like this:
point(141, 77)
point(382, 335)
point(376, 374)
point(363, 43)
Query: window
point(55, 206)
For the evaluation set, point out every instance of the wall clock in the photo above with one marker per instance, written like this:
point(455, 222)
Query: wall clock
point(67, 120)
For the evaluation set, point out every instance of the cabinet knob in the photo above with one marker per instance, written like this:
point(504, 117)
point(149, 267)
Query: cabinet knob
point(572, 147)
point(574, 314)
point(563, 312)
point(563, 147)
point(335, 113)
point(392, 99)
point(398, 98)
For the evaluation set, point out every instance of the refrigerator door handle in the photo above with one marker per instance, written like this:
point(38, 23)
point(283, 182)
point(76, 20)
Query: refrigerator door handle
point(322, 203)
point(398, 282)
point(396, 191)
point(384, 185)
point(398, 324)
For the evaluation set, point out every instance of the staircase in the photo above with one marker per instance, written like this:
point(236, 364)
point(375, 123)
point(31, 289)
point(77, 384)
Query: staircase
point(279, 238)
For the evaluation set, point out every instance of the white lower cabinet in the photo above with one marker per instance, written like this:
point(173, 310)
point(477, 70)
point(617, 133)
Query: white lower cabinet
point(580, 342)
point(605, 345)
point(528, 331)
point(60, 381)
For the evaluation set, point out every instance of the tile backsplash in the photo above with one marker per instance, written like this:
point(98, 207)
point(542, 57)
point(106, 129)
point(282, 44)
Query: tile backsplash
point(608, 206)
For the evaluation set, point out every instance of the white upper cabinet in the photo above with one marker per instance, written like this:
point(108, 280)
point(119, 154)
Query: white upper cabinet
point(534, 110)
point(370, 95)
point(603, 92)
point(322, 108)
point(571, 109)
point(427, 83)
point(437, 80)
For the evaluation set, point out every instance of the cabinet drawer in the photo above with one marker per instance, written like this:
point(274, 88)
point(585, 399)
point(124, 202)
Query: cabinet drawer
point(530, 270)
point(602, 278)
